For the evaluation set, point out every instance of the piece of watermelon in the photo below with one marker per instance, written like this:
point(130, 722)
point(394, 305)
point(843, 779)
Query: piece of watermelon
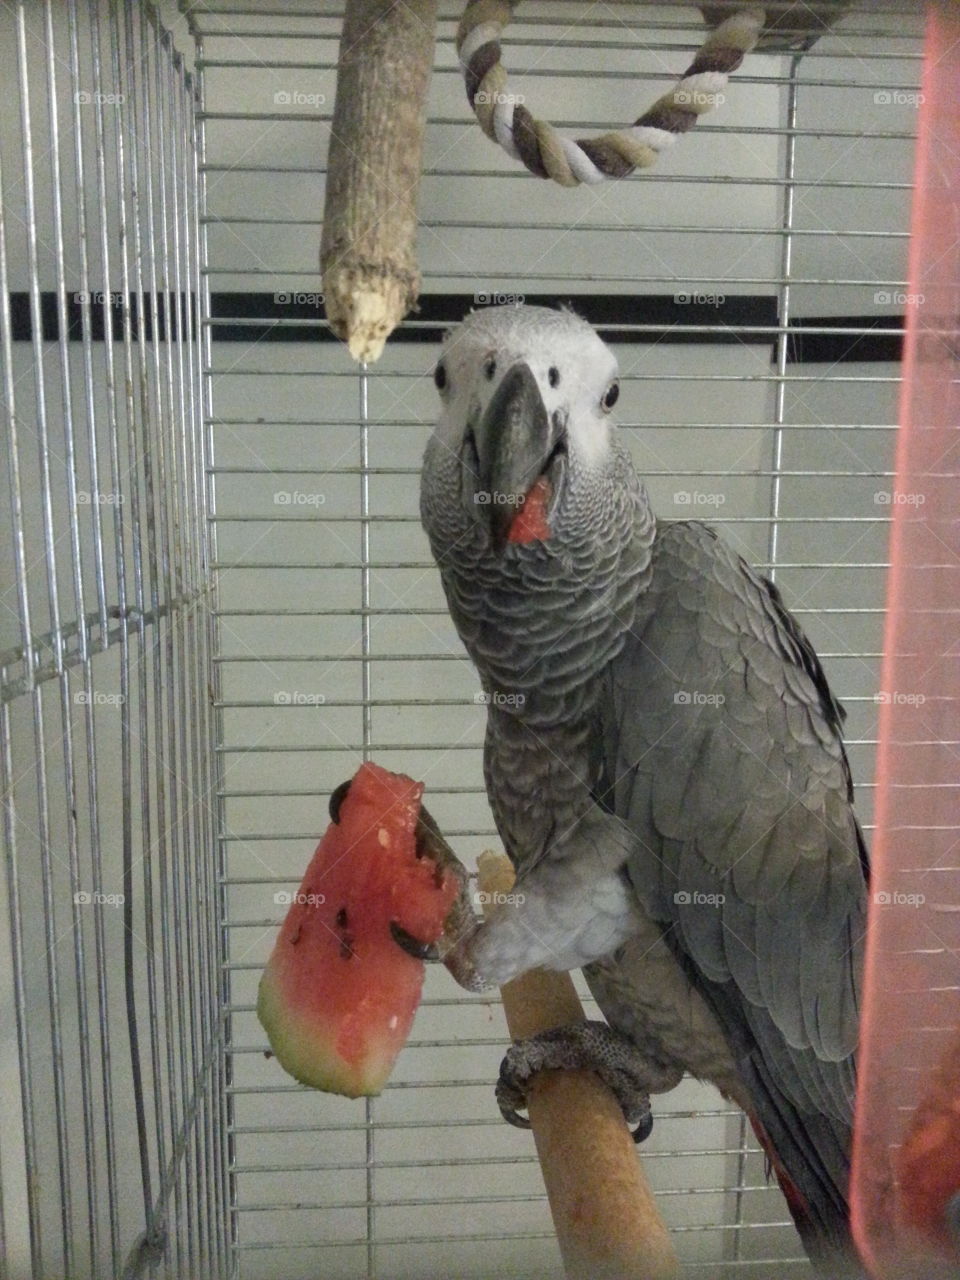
point(338, 995)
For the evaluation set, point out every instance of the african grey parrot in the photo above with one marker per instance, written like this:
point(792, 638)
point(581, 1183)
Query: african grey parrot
point(663, 759)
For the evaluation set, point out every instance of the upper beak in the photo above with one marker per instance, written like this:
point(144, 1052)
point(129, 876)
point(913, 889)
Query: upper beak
point(513, 443)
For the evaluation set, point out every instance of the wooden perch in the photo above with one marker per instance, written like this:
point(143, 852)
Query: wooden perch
point(367, 252)
point(603, 1210)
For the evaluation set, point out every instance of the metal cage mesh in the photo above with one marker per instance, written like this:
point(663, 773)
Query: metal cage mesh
point(111, 938)
point(221, 599)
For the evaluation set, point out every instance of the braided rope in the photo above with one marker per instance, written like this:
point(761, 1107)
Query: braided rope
point(545, 152)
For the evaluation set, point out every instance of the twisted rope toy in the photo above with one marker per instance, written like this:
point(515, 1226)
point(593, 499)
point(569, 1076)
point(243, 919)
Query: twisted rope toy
point(569, 161)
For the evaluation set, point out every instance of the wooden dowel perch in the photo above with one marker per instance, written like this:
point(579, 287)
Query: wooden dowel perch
point(367, 251)
point(603, 1210)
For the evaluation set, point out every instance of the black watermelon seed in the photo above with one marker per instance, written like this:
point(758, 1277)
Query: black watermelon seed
point(342, 918)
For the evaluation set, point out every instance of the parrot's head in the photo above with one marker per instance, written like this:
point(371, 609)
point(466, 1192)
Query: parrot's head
point(526, 490)
point(525, 440)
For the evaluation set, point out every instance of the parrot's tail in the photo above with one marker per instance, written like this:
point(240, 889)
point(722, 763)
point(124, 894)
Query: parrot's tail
point(822, 1224)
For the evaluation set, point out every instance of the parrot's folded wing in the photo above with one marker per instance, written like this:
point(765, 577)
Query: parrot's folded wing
point(723, 754)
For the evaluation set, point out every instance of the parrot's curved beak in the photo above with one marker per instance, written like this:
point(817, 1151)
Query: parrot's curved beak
point(515, 445)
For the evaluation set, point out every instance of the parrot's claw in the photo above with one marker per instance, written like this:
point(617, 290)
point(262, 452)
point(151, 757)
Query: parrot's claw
point(427, 951)
point(336, 800)
point(590, 1045)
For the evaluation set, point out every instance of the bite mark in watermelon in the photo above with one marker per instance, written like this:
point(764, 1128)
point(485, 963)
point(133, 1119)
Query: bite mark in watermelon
point(338, 996)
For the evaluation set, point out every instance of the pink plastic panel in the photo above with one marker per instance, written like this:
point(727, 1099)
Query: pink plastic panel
point(907, 1144)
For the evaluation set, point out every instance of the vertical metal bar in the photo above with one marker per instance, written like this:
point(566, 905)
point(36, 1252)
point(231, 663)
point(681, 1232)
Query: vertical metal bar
point(154, 415)
point(31, 1169)
point(776, 467)
point(66, 711)
point(366, 694)
point(163, 131)
point(193, 701)
point(784, 310)
point(170, 484)
point(79, 161)
point(119, 564)
point(53, 600)
point(119, 64)
point(207, 553)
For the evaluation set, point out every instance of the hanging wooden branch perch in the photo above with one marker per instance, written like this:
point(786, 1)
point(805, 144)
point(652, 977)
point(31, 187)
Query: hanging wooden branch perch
point(368, 249)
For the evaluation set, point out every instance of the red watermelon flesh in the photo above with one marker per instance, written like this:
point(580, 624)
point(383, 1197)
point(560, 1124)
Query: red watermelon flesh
point(338, 995)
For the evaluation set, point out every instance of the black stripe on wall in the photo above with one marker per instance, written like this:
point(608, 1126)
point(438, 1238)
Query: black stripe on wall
point(723, 319)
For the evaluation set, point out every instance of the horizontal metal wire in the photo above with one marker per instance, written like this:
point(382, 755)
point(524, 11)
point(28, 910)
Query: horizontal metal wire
point(480, 1198)
point(623, 426)
point(404, 519)
point(726, 329)
point(596, 74)
point(478, 1237)
point(733, 130)
point(276, 658)
point(668, 179)
point(454, 1161)
point(358, 748)
point(463, 1122)
point(754, 379)
point(636, 228)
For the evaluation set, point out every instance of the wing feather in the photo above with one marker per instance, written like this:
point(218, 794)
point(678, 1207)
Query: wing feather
point(723, 740)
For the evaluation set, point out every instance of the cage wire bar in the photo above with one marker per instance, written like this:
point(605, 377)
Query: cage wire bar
point(112, 1155)
point(220, 590)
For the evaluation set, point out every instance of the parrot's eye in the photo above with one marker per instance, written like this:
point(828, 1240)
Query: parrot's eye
point(440, 376)
point(610, 397)
point(553, 376)
point(489, 368)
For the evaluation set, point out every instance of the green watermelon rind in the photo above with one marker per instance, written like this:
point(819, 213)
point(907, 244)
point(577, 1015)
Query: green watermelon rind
point(312, 1058)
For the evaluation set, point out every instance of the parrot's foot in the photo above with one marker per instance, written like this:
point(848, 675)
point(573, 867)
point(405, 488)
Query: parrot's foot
point(583, 1045)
